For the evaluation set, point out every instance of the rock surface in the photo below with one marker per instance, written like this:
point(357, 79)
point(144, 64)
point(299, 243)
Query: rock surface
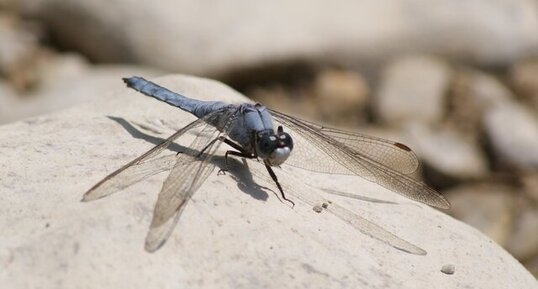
point(235, 233)
point(210, 37)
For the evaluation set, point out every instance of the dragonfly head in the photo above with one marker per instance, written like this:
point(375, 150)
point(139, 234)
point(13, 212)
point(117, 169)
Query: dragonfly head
point(274, 148)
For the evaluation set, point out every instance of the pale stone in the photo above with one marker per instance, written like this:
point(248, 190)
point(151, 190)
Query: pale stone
point(233, 233)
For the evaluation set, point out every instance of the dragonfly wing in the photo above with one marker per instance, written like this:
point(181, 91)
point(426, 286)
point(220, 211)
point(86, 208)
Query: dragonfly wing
point(187, 175)
point(359, 223)
point(389, 153)
point(148, 164)
point(323, 153)
point(373, 230)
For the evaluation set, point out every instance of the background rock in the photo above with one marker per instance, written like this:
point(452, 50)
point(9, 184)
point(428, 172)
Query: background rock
point(225, 238)
point(513, 132)
point(214, 38)
point(524, 78)
point(472, 93)
point(67, 83)
point(341, 95)
point(523, 243)
point(412, 89)
point(486, 207)
point(448, 153)
point(18, 48)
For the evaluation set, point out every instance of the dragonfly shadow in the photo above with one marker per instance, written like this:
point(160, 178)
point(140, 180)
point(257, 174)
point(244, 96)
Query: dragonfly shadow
point(236, 170)
point(241, 174)
point(136, 133)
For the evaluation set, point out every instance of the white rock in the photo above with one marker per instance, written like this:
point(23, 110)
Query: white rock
point(340, 95)
point(212, 37)
point(231, 235)
point(513, 132)
point(472, 93)
point(447, 152)
point(412, 89)
point(484, 102)
point(487, 207)
point(68, 80)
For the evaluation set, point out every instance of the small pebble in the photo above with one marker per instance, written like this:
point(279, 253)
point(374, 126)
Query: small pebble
point(448, 269)
point(317, 208)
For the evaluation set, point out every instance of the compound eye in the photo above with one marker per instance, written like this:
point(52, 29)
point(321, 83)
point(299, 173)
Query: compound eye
point(266, 144)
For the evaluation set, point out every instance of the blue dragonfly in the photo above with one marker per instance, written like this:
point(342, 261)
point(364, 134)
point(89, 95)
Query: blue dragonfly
point(249, 130)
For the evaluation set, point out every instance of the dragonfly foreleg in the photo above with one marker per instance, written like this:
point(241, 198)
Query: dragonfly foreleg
point(240, 153)
point(275, 179)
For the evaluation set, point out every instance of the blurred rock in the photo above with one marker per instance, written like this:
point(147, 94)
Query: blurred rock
point(292, 100)
point(7, 4)
point(18, 49)
point(8, 99)
point(449, 154)
point(216, 37)
point(472, 93)
point(512, 131)
point(412, 88)
point(524, 78)
point(523, 240)
point(67, 80)
point(481, 102)
point(341, 95)
point(529, 181)
point(487, 207)
point(532, 266)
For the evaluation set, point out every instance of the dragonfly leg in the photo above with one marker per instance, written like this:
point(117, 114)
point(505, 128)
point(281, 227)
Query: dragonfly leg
point(233, 153)
point(240, 153)
point(275, 179)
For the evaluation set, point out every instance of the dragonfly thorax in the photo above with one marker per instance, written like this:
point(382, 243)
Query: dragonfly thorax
point(274, 148)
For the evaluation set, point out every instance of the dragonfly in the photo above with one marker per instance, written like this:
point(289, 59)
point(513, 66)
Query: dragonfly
point(249, 130)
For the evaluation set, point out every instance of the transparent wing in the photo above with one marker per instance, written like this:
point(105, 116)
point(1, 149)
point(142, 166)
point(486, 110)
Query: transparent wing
point(183, 181)
point(389, 153)
point(148, 164)
point(332, 151)
point(359, 223)
point(189, 170)
point(187, 175)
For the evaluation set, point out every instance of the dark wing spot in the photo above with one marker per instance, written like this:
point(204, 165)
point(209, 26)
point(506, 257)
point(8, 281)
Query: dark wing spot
point(402, 146)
